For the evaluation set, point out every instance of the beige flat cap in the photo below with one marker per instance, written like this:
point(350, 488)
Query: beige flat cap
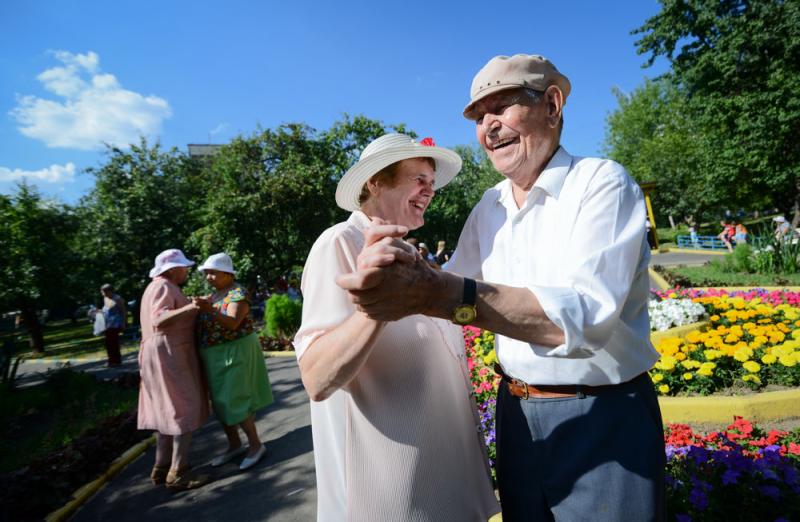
point(521, 70)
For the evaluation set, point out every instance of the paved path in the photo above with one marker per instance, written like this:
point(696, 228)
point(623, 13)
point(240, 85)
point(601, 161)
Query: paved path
point(682, 258)
point(280, 487)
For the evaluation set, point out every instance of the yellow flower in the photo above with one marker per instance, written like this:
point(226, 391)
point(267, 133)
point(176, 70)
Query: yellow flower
point(706, 371)
point(743, 354)
point(769, 359)
point(752, 366)
point(788, 360)
point(687, 376)
point(714, 318)
point(667, 363)
point(710, 355)
point(663, 389)
point(752, 378)
point(658, 377)
point(680, 356)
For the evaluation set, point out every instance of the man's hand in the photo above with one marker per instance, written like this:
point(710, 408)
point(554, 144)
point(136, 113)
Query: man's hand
point(389, 293)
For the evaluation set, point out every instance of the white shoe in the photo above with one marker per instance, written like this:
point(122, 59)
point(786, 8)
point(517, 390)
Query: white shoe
point(227, 456)
point(249, 462)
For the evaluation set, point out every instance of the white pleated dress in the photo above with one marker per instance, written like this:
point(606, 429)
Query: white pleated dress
point(402, 441)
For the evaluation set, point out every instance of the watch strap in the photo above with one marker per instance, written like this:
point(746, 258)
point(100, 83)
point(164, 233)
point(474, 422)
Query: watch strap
point(470, 291)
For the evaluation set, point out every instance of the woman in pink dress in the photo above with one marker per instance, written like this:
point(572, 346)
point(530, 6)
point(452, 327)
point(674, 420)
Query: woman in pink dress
point(172, 396)
point(395, 428)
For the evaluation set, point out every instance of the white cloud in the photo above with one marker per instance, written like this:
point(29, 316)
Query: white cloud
point(52, 174)
point(95, 108)
point(219, 128)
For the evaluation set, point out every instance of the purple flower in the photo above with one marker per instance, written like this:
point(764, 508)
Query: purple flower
point(698, 498)
point(770, 491)
point(730, 477)
point(682, 517)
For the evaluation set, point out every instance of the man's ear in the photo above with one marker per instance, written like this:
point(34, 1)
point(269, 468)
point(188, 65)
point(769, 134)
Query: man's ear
point(554, 99)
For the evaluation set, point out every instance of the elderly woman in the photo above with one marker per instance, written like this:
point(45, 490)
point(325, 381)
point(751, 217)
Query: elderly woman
point(115, 315)
point(233, 361)
point(394, 423)
point(172, 397)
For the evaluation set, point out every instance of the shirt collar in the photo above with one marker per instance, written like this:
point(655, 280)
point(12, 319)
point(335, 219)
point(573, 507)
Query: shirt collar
point(551, 180)
point(359, 220)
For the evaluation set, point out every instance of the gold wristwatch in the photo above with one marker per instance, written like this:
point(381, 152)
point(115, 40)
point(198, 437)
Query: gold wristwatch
point(466, 312)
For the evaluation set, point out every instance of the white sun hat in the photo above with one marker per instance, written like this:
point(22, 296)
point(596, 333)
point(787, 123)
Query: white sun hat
point(388, 149)
point(169, 259)
point(221, 262)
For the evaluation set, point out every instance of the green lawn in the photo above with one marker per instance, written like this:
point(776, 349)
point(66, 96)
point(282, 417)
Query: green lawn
point(40, 419)
point(62, 339)
point(711, 275)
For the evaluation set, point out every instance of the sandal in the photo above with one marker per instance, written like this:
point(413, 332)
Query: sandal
point(159, 474)
point(185, 479)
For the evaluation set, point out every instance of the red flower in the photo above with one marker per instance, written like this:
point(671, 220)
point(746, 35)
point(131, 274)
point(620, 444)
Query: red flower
point(428, 142)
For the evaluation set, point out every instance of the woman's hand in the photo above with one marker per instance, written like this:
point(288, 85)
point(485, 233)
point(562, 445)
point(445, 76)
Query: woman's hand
point(203, 304)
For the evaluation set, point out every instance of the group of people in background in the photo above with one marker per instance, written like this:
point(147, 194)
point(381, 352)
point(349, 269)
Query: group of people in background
point(733, 233)
point(435, 259)
point(196, 350)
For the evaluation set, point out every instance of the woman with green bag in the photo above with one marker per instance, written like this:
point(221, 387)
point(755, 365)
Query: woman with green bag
point(233, 361)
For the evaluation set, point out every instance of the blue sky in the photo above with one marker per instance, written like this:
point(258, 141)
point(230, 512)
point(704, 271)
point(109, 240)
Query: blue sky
point(76, 74)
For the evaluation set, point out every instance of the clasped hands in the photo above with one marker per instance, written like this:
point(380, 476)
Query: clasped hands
point(203, 303)
point(390, 282)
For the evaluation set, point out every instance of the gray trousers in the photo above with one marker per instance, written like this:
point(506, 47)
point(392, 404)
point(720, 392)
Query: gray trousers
point(598, 458)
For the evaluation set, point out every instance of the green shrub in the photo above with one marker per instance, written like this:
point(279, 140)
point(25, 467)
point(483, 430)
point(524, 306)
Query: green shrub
point(742, 258)
point(282, 316)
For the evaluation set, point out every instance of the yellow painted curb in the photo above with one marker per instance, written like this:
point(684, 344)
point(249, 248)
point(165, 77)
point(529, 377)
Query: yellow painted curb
point(659, 280)
point(85, 493)
point(280, 354)
point(694, 251)
point(760, 407)
point(678, 331)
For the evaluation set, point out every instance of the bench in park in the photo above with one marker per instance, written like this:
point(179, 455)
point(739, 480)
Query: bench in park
point(701, 243)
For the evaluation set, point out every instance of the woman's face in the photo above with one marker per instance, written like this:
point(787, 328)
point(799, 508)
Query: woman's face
point(406, 202)
point(217, 279)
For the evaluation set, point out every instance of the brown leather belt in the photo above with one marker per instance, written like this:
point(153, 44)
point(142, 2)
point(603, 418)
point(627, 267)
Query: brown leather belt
point(524, 390)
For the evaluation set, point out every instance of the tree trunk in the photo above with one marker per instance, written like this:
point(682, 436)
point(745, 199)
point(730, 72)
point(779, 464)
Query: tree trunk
point(35, 336)
point(671, 222)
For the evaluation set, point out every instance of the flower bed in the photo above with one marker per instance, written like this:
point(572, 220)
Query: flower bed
point(753, 340)
point(741, 473)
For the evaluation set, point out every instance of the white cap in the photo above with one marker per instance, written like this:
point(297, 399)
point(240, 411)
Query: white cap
point(221, 262)
point(169, 259)
point(779, 219)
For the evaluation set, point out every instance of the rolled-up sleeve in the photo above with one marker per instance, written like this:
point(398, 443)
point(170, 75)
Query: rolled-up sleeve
point(602, 258)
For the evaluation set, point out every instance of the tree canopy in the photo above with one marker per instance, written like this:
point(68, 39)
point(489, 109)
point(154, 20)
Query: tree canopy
point(735, 69)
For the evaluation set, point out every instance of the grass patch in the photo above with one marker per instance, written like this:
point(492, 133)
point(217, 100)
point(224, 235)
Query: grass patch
point(63, 339)
point(714, 275)
point(38, 420)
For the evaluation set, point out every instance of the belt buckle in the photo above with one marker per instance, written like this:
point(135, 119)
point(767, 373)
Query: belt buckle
point(522, 385)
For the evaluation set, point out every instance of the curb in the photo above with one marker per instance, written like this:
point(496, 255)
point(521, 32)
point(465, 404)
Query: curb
point(658, 279)
point(691, 251)
point(289, 353)
point(85, 493)
point(760, 407)
point(677, 331)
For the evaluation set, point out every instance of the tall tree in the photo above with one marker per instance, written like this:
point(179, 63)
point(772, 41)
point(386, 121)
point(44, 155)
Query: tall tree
point(145, 200)
point(738, 61)
point(36, 256)
point(653, 135)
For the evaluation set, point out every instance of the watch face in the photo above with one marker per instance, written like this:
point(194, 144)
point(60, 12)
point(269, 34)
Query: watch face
point(464, 314)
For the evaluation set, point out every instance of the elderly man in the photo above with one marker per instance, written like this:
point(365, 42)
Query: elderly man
point(560, 256)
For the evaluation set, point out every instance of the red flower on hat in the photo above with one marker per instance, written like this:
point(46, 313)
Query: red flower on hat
point(428, 142)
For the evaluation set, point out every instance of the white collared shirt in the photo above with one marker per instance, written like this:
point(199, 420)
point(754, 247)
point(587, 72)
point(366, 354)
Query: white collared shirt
point(579, 244)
